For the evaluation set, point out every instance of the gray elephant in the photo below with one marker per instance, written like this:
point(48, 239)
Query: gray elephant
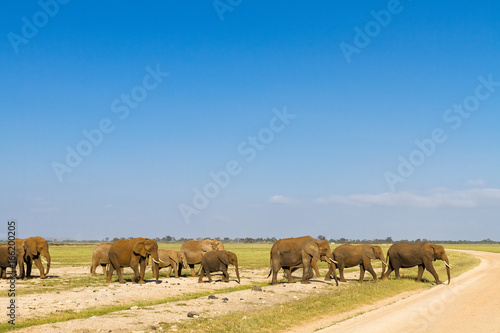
point(195, 250)
point(170, 259)
point(353, 255)
point(100, 257)
point(406, 255)
point(218, 261)
point(12, 256)
point(133, 253)
point(298, 252)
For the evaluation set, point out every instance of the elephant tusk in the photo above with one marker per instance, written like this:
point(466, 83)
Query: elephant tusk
point(155, 260)
point(449, 266)
point(161, 260)
point(335, 262)
point(384, 262)
point(45, 261)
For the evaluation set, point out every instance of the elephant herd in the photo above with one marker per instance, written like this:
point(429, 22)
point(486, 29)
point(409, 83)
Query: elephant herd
point(288, 254)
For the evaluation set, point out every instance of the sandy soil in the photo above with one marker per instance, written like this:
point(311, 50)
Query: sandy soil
point(471, 303)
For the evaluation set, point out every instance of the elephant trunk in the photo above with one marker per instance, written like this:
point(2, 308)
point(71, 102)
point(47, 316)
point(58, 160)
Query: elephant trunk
point(384, 264)
point(156, 265)
point(47, 257)
point(237, 271)
point(447, 263)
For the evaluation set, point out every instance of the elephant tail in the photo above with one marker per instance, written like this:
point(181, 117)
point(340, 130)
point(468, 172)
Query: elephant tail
point(268, 275)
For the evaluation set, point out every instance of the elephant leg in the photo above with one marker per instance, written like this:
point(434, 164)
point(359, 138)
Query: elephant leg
point(225, 277)
point(193, 273)
point(389, 271)
point(142, 270)
point(421, 270)
point(176, 273)
point(369, 268)
point(28, 267)
point(289, 276)
point(103, 269)
point(361, 273)
point(202, 274)
point(341, 272)
point(396, 271)
point(169, 271)
point(306, 271)
point(430, 268)
point(38, 263)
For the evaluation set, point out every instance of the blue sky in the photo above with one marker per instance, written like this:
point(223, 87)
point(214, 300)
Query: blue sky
point(356, 120)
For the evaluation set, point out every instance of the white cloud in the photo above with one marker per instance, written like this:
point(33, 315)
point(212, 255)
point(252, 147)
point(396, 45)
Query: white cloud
point(280, 199)
point(476, 182)
point(437, 198)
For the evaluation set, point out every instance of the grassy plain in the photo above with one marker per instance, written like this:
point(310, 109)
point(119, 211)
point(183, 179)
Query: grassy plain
point(251, 257)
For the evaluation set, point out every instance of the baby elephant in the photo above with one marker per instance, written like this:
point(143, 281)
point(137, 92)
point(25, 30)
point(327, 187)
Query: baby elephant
point(170, 259)
point(216, 261)
point(100, 257)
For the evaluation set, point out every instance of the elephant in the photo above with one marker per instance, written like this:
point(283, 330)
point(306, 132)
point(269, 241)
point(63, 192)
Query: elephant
point(325, 248)
point(352, 255)
point(171, 258)
point(216, 261)
point(100, 257)
point(36, 248)
point(406, 255)
point(195, 250)
point(298, 252)
point(133, 253)
point(7, 254)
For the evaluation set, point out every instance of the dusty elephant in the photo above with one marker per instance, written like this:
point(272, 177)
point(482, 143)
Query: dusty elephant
point(324, 249)
point(406, 255)
point(195, 250)
point(353, 255)
point(100, 257)
point(170, 259)
point(132, 253)
point(218, 261)
point(12, 255)
point(298, 252)
point(36, 248)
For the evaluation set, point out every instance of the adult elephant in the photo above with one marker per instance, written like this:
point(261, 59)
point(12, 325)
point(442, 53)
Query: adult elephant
point(218, 261)
point(406, 255)
point(132, 253)
point(298, 252)
point(11, 256)
point(195, 250)
point(353, 255)
point(324, 248)
point(36, 248)
point(170, 259)
point(100, 257)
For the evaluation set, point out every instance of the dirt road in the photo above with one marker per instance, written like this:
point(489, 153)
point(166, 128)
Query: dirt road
point(471, 303)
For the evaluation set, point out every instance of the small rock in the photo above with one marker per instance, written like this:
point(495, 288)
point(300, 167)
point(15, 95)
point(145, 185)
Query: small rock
point(241, 299)
point(212, 297)
point(134, 308)
point(225, 299)
point(192, 314)
point(153, 328)
point(256, 288)
point(244, 317)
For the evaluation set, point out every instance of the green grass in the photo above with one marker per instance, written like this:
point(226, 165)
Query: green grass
point(476, 247)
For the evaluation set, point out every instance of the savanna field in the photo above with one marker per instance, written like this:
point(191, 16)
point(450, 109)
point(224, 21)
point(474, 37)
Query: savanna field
point(70, 292)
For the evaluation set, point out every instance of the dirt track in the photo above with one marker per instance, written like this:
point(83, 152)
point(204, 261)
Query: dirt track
point(471, 303)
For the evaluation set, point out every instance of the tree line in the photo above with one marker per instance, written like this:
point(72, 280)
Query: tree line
point(271, 240)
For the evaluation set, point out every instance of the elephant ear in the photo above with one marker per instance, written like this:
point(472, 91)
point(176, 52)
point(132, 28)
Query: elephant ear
point(140, 249)
point(206, 246)
point(312, 249)
point(174, 256)
point(30, 246)
point(370, 252)
point(430, 252)
point(225, 258)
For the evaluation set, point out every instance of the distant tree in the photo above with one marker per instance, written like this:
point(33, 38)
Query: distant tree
point(321, 237)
